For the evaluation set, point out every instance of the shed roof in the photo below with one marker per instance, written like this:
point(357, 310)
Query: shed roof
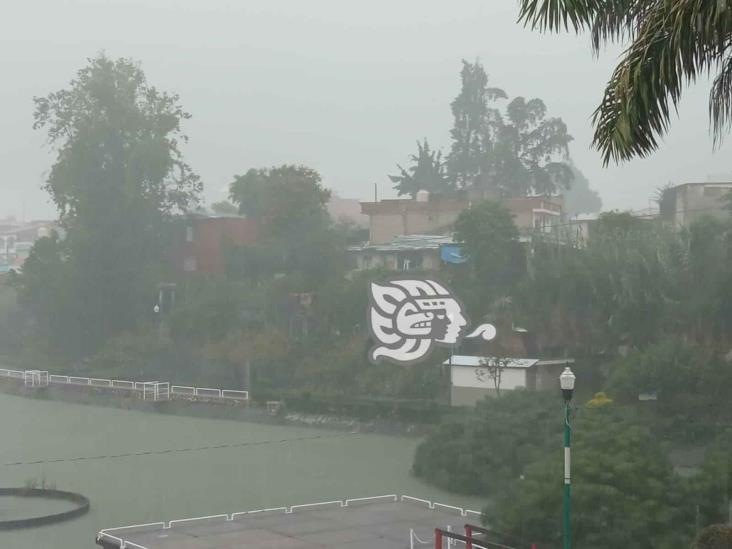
point(472, 361)
point(407, 242)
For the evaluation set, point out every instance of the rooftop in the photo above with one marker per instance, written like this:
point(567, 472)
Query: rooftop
point(408, 242)
point(382, 522)
point(477, 361)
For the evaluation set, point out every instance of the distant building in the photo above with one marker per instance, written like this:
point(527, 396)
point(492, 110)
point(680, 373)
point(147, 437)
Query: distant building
point(471, 379)
point(348, 209)
point(407, 253)
point(535, 213)
point(577, 229)
point(423, 215)
point(688, 202)
point(434, 214)
point(200, 241)
point(416, 233)
point(17, 239)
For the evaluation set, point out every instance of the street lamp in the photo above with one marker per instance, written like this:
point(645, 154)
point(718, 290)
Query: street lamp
point(566, 382)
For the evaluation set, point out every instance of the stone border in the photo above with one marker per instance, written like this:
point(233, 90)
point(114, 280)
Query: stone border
point(82, 507)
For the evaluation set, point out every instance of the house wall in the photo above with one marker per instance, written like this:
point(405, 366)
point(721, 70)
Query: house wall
point(698, 200)
point(390, 218)
point(373, 259)
point(547, 376)
point(200, 242)
point(469, 385)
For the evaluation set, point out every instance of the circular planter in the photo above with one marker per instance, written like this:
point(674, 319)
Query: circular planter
point(81, 507)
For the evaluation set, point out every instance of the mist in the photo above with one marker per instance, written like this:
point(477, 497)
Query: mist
point(342, 87)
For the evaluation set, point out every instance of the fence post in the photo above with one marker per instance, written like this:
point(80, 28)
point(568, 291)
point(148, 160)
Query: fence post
point(469, 535)
point(438, 538)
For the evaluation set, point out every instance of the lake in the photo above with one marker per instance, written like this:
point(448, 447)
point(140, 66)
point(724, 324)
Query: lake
point(269, 466)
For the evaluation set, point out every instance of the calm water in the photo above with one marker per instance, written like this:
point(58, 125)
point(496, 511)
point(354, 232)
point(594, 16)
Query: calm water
point(150, 488)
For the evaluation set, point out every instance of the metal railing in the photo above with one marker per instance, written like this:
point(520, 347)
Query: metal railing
point(148, 390)
point(389, 498)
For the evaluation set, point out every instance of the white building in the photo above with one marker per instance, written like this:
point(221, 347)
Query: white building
point(474, 377)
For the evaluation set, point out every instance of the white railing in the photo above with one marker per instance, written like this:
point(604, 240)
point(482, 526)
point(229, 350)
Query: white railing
point(389, 498)
point(236, 395)
point(183, 390)
point(148, 390)
point(208, 393)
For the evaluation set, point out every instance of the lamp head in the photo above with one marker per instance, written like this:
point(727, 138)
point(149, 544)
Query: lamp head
point(566, 382)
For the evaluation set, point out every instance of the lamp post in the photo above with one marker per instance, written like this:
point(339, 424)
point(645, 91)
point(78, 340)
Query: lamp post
point(566, 382)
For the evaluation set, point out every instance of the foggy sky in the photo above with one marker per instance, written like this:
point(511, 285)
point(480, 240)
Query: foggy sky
point(345, 87)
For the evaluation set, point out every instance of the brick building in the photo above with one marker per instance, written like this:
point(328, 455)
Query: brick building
point(200, 241)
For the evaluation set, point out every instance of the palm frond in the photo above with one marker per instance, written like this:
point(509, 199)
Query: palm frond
point(676, 42)
point(607, 20)
point(720, 101)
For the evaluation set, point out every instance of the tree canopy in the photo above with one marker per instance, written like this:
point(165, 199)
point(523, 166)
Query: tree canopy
point(427, 173)
point(514, 152)
point(118, 176)
point(625, 493)
point(490, 242)
point(296, 233)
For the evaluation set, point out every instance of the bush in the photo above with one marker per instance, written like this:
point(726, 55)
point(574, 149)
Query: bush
point(716, 536)
point(624, 492)
point(479, 453)
point(690, 382)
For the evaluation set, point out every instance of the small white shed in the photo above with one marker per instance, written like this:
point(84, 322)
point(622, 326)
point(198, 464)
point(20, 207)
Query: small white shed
point(472, 378)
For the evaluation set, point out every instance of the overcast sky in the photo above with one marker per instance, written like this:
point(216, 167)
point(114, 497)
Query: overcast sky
point(345, 87)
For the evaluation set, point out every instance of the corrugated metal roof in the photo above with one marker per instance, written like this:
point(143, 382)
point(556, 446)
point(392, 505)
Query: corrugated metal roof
point(407, 242)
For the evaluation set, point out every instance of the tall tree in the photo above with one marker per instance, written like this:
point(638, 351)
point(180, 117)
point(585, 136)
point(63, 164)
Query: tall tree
point(531, 151)
point(474, 120)
point(670, 44)
point(119, 174)
point(295, 228)
point(514, 152)
point(427, 172)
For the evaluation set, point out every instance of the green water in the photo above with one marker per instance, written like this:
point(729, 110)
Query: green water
point(150, 488)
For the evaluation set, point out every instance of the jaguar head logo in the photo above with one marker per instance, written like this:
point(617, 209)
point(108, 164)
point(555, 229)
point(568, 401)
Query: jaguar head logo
point(408, 318)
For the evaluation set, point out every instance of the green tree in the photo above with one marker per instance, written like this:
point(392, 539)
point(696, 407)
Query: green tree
point(669, 45)
point(427, 172)
point(490, 447)
point(689, 381)
point(490, 242)
point(44, 292)
point(625, 493)
point(511, 153)
point(118, 176)
point(296, 234)
point(473, 122)
point(530, 152)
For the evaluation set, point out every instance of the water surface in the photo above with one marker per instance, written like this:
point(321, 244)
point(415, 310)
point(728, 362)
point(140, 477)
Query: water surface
point(287, 465)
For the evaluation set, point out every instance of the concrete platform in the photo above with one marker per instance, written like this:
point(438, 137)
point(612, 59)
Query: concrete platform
point(383, 522)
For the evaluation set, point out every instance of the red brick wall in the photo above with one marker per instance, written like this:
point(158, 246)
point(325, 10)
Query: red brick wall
point(210, 238)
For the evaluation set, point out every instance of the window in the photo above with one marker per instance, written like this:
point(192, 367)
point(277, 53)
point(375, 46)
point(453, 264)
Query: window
point(190, 264)
point(189, 233)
